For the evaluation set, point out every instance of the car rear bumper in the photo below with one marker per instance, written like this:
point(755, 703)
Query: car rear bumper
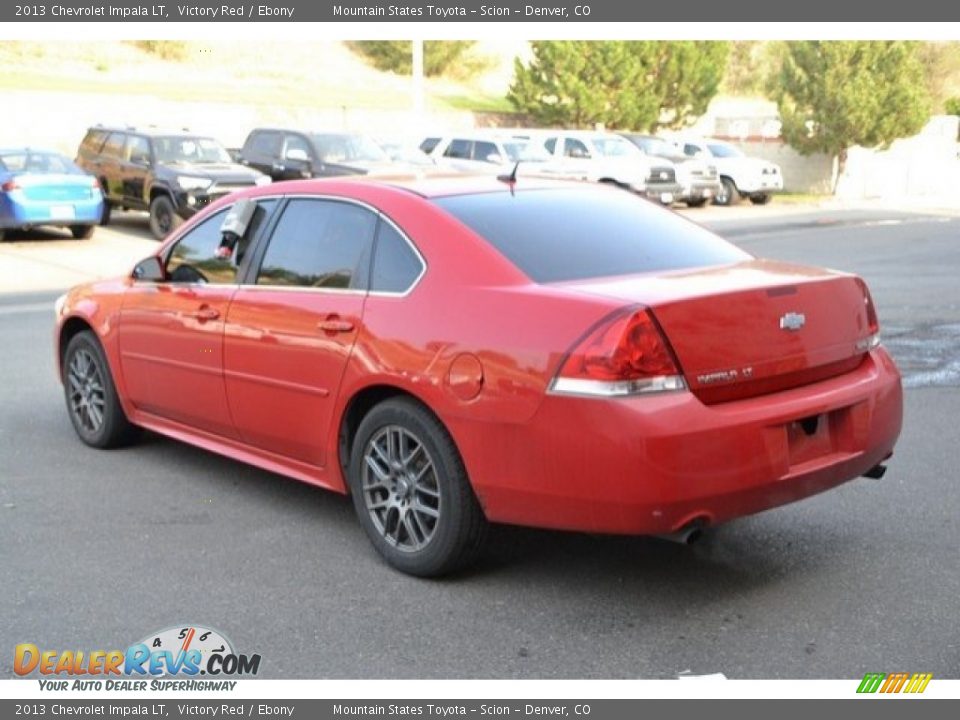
point(20, 212)
point(648, 465)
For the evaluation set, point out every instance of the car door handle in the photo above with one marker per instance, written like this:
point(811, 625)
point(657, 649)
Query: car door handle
point(335, 325)
point(205, 313)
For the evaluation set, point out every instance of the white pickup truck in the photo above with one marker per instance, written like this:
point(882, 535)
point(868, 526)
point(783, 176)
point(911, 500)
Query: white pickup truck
point(606, 157)
point(740, 176)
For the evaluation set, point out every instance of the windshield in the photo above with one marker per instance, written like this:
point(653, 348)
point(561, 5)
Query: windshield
point(335, 148)
point(655, 146)
point(721, 150)
point(524, 150)
point(614, 147)
point(37, 162)
point(198, 150)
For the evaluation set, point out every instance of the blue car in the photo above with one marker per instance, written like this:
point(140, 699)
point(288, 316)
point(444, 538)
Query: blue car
point(38, 187)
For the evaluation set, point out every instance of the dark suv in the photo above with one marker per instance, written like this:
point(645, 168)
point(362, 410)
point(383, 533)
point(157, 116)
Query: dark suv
point(293, 154)
point(170, 174)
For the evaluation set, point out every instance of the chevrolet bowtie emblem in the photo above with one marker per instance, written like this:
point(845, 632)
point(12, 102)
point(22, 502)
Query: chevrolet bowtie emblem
point(792, 321)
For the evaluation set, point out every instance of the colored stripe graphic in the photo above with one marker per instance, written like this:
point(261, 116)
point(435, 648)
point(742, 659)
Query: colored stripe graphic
point(894, 683)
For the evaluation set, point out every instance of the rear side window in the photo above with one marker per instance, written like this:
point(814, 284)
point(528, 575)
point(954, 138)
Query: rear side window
point(94, 140)
point(459, 149)
point(574, 234)
point(483, 150)
point(395, 265)
point(550, 145)
point(319, 244)
point(114, 145)
point(264, 143)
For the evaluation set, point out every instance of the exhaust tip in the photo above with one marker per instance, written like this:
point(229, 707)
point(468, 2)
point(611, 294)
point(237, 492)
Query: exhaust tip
point(687, 535)
point(876, 472)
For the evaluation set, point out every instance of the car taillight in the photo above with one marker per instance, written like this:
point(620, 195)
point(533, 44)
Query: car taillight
point(626, 354)
point(873, 324)
point(9, 185)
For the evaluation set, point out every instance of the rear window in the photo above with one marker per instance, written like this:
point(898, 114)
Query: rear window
point(578, 233)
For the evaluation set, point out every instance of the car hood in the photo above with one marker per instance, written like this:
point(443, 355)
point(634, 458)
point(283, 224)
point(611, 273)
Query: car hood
point(220, 172)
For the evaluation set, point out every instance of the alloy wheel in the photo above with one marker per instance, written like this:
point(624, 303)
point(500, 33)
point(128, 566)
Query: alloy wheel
point(401, 491)
point(86, 392)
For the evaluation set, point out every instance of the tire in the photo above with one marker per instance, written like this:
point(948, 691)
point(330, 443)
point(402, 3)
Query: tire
point(761, 198)
point(3, 234)
point(698, 203)
point(89, 392)
point(727, 194)
point(107, 210)
point(82, 232)
point(163, 217)
point(429, 526)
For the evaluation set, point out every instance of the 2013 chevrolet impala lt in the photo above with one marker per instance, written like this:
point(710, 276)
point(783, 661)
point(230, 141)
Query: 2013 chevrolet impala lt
point(458, 352)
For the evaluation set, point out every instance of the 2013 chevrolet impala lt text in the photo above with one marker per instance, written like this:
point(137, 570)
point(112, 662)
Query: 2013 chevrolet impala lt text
point(454, 352)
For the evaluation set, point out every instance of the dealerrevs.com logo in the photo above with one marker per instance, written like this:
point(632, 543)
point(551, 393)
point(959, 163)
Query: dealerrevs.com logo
point(186, 652)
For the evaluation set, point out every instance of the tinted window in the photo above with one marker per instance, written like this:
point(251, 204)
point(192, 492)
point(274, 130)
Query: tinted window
point(458, 149)
point(575, 149)
point(189, 150)
point(94, 140)
point(264, 143)
point(395, 265)
point(690, 150)
point(137, 149)
point(429, 144)
point(197, 258)
point(483, 150)
point(114, 145)
point(320, 244)
point(295, 142)
point(550, 145)
point(556, 235)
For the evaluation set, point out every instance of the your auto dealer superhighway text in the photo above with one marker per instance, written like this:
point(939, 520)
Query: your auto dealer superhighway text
point(165, 11)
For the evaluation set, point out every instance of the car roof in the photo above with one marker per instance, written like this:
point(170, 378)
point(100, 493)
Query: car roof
point(150, 131)
point(425, 185)
point(27, 148)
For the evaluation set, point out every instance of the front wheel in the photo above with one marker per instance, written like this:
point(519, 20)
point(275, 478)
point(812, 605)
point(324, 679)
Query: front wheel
point(727, 194)
point(698, 203)
point(163, 217)
point(91, 396)
point(411, 491)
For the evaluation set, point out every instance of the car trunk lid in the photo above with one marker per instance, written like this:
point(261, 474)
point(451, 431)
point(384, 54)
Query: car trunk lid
point(55, 187)
point(754, 327)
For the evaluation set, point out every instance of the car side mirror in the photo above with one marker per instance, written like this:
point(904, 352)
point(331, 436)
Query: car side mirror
point(149, 269)
point(297, 155)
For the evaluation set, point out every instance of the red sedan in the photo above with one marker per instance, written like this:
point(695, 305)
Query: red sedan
point(458, 352)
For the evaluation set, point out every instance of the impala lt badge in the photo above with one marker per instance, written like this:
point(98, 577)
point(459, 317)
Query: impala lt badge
point(792, 321)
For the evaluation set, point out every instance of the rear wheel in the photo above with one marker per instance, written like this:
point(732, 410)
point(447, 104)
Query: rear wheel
point(700, 202)
point(760, 198)
point(82, 232)
point(163, 217)
point(727, 194)
point(411, 491)
point(91, 396)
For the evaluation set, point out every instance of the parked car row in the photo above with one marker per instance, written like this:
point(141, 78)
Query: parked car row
point(172, 174)
point(691, 171)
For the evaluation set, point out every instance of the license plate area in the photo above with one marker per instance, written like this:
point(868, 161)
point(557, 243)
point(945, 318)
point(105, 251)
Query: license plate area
point(62, 212)
point(812, 437)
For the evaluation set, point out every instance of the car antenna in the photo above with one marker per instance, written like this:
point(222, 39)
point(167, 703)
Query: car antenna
point(510, 177)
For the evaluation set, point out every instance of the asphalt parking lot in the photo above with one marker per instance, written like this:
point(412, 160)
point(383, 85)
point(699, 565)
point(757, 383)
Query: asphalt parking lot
point(97, 549)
